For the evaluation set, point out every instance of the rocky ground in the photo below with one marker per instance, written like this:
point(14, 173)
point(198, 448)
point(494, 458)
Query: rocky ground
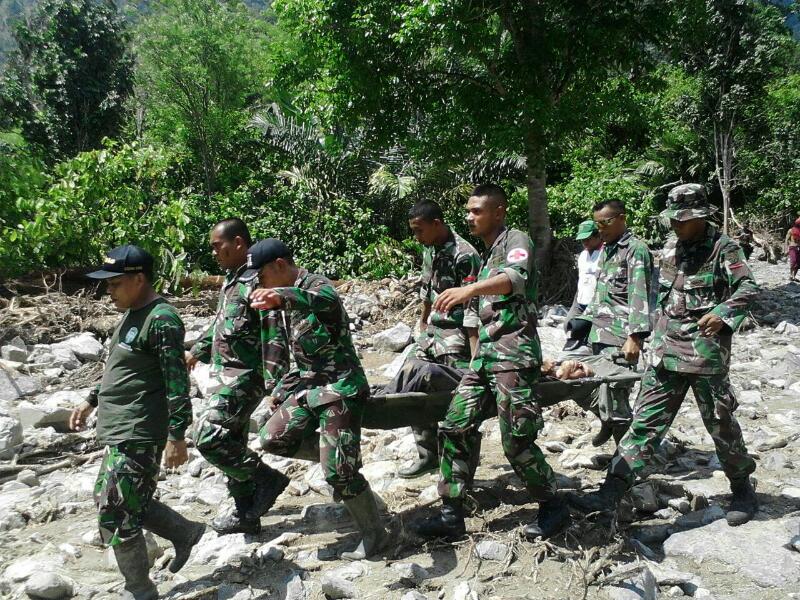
point(670, 539)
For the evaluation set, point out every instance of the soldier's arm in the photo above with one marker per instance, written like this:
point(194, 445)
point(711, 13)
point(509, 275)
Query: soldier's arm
point(318, 300)
point(274, 348)
point(202, 348)
point(741, 284)
point(166, 340)
point(468, 267)
point(640, 267)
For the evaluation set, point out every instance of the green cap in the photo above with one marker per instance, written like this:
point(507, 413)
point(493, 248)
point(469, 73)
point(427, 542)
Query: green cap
point(686, 202)
point(586, 230)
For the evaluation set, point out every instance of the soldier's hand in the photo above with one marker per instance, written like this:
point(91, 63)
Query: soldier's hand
point(632, 348)
point(452, 297)
point(265, 299)
point(175, 454)
point(710, 324)
point(191, 361)
point(77, 420)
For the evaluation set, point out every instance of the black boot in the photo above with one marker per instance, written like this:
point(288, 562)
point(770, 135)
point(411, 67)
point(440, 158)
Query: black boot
point(619, 430)
point(448, 524)
point(172, 526)
point(132, 561)
point(606, 499)
point(237, 521)
point(364, 511)
point(605, 433)
point(269, 485)
point(553, 517)
point(744, 503)
point(427, 449)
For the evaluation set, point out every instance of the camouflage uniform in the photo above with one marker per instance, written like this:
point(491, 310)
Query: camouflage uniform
point(706, 276)
point(247, 352)
point(507, 366)
point(134, 432)
point(326, 390)
point(620, 308)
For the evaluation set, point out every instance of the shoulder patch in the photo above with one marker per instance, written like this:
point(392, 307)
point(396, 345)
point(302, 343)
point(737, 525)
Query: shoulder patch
point(517, 255)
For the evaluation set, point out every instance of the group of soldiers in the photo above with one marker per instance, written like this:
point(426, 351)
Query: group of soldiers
point(281, 335)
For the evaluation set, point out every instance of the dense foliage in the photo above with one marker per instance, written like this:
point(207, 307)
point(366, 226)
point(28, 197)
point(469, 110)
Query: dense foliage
point(322, 121)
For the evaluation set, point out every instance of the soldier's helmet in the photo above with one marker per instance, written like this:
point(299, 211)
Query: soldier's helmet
point(688, 201)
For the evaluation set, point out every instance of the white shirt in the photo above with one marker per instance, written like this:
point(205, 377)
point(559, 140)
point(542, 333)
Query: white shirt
point(587, 275)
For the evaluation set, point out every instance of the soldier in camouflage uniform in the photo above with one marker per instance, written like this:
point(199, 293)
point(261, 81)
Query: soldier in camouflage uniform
point(246, 349)
point(705, 287)
point(619, 312)
point(506, 367)
point(443, 350)
point(143, 412)
point(326, 389)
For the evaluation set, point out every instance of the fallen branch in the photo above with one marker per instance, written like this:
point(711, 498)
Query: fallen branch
point(9, 472)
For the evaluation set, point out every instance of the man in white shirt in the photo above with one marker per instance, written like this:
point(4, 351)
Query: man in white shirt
point(588, 261)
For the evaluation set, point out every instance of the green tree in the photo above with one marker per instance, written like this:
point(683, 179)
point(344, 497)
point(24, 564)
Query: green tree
point(457, 76)
point(201, 64)
point(67, 82)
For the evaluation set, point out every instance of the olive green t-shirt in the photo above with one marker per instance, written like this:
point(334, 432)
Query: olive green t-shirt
point(143, 396)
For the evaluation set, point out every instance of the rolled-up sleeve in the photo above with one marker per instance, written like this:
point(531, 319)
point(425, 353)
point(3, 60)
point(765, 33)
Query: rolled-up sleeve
point(518, 263)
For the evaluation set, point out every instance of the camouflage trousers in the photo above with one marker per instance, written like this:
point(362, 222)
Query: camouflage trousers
point(339, 424)
point(659, 399)
point(222, 433)
point(124, 488)
point(520, 419)
point(611, 401)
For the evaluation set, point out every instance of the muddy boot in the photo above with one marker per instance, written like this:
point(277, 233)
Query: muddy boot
point(448, 524)
point(428, 461)
point(269, 485)
point(619, 430)
point(237, 521)
point(172, 526)
point(606, 499)
point(553, 518)
point(744, 503)
point(605, 433)
point(132, 562)
point(364, 511)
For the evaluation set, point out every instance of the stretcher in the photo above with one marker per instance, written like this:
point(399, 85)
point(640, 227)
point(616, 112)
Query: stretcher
point(390, 411)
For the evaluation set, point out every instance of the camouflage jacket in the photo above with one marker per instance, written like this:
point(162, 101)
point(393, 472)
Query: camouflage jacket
point(243, 345)
point(507, 335)
point(453, 264)
point(621, 303)
point(320, 339)
point(709, 275)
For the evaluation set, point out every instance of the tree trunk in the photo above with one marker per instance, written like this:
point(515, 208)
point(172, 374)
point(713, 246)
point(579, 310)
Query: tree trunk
point(538, 216)
point(723, 158)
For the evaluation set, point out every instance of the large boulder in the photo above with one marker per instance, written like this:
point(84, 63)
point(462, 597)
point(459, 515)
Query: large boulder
point(393, 339)
point(83, 345)
point(51, 410)
point(13, 387)
point(49, 357)
point(48, 586)
point(15, 351)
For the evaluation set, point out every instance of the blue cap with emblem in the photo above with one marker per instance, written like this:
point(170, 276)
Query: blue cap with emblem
point(124, 260)
point(264, 252)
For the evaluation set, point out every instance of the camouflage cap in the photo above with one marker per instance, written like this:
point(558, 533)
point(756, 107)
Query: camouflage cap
point(688, 201)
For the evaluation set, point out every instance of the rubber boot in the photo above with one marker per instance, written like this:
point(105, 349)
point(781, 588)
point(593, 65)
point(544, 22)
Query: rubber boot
point(269, 485)
point(132, 561)
point(236, 521)
point(448, 524)
point(619, 431)
point(744, 503)
point(605, 433)
point(553, 518)
point(173, 526)
point(606, 499)
point(427, 449)
point(364, 511)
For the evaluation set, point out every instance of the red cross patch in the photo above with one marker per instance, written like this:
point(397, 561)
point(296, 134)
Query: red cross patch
point(517, 255)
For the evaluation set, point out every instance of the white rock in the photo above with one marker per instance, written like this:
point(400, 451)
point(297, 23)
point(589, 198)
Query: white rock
point(48, 586)
point(465, 591)
point(411, 572)
point(754, 549)
point(413, 595)
point(352, 571)
point(393, 339)
point(92, 538)
point(269, 552)
point(10, 434)
point(17, 386)
point(45, 356)
point(14, 353)
point(749, 397)
point(391, 370)
point(491, 550)
point(295, 588)
point(212, 495)
point(219, 550)
point(336, 587)
point(84, 345)
point(791, 492)
point(22, 569)
point(28, 477)
point(70, 550)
